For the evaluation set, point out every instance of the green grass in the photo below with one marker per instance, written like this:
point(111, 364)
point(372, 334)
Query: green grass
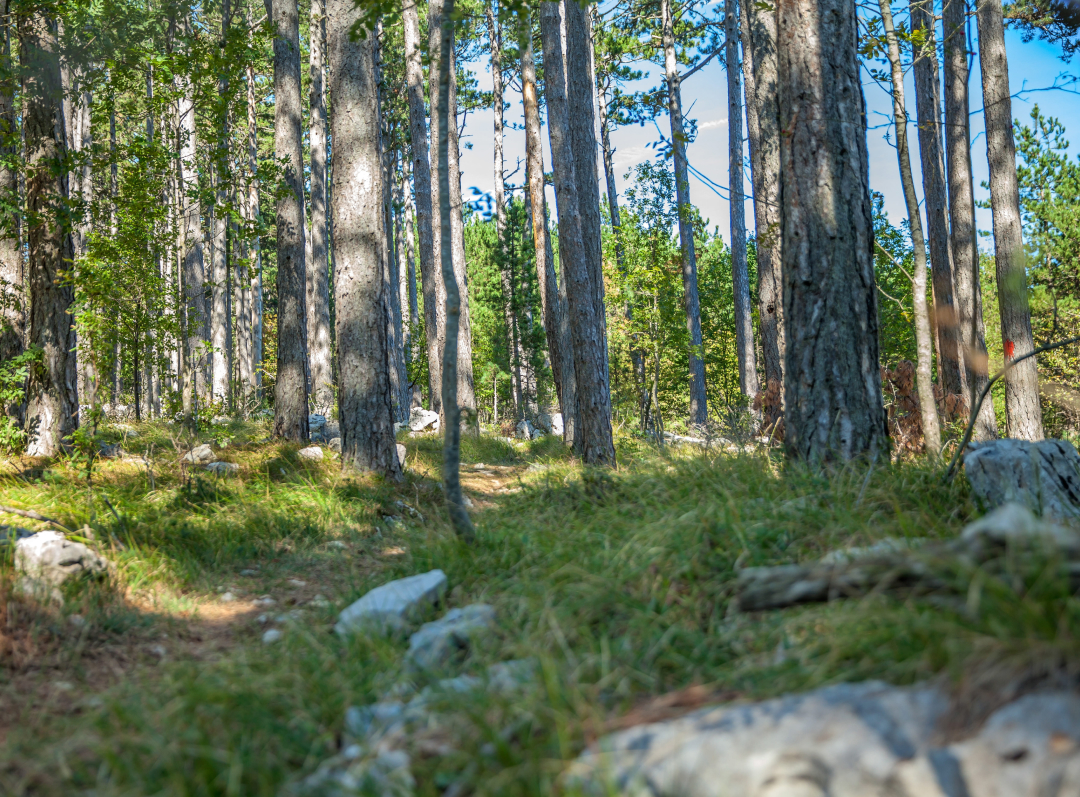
point(619, 584)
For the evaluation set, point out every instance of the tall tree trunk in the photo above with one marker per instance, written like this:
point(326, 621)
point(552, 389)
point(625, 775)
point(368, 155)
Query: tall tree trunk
point(740, 275)
point(928, 113)
point(318, 272)
point(408, 274)
point(444, 122)
point(255, 216)
point(290, 391)
point(834, 409)
point(12, 273)
point(220, 315)
point(245, 365)
point(360, 298)
point(193, 274)
point(763, 130)
point(1022, 382)
point(698, 410)
point(466, 392)
point(398, 381)
point(556, 327)
point(965, 250)
point(570, 127)
point(430, 278)
point(52, 406)
point(931, 427)
point(509, 314)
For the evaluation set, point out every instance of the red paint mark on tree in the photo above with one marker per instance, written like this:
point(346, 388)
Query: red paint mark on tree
point(1010, 347)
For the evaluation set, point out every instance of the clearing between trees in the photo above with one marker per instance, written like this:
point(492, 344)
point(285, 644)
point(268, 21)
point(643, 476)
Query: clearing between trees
point(207, 663)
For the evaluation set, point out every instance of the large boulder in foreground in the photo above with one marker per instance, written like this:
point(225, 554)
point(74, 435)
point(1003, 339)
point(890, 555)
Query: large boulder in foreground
point(48, 559)
point(1043, 476)
point(849, 740)
point(392, 606)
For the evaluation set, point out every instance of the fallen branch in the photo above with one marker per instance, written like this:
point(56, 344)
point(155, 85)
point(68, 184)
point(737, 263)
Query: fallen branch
point(985, 391)
point(29, 513)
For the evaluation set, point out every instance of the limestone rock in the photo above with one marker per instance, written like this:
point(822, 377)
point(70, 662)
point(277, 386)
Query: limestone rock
point(220, 420)
point(357, 773)
point(421, 420)
point(525, 430)
point(200, 455)
point(401, 453)
point(557, 424)
point(391, 606)
point(331, 430)
point(849, 740)
point(334, 444)
point(316, 423)
point(313, 453)
point(436, 643)
point(223, 468)
point(106, 451)
point(1013, 524)
point(1043, 476)
point(48, 559)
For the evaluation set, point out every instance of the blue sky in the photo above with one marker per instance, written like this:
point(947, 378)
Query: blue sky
point(1031, 66)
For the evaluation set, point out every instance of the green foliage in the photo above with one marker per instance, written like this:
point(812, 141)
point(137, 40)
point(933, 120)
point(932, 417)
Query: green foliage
point(894, 263)
point(13, 375)
point(1050, 204)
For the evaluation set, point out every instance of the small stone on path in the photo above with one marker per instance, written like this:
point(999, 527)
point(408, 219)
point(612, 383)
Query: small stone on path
point(391, 606)
point(271, 636)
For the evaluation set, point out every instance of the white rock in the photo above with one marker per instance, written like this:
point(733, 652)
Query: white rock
point(382, 772)
point(223, 468)
point(391, 606)
point(47, 559)
point(525, 430)
point(331, 430)
point(220, 420)
point(557, 424)
point(421, 420)
point(1043, 476)
point(436, 643)
point(296, 582)
point(316, 423)
point(334, 444)
point(271, 636)
point(311, 452)
point(336, 544)
point(1014, 524)
point(228, 597)
point(401, 453)
point(849, 740)
point(200, 455)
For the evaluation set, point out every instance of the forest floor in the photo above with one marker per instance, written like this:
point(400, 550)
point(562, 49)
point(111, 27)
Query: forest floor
point(618, 584)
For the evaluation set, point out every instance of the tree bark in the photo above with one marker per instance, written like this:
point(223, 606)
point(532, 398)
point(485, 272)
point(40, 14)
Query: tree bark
point(193, 274)
point(430, 278)
point(318, 273)
point(931, 427)
point(408, 293)
point(834, 409)
point(1022, 382)
point(557, 331)
point(466, 392)
point(763, 130)
point(220, 310)
point(963, 235)
point(455, 500)
point(570, 127)
point(255, 216)
point(360, 296)
point(699, 412)
point(928, 113)
point(53, 405)
point(12, 272)
point(509, 315)
point(740, 275)
point(394, 335)
point(290, 391)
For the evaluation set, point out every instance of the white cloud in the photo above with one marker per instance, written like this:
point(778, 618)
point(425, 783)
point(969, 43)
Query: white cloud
point(711, 124)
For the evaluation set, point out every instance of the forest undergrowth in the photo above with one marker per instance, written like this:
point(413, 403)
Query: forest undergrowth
point(618, 584)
